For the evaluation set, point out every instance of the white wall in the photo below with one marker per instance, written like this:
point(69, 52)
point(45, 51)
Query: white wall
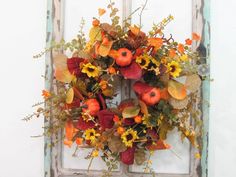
point(22, 34)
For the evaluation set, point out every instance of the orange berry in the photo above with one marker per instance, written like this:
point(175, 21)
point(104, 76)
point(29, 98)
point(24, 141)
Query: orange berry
point(103, 84)
point(138, 119)
point(112, 70)
point(96, 22)
point(120, 130)
point(79, 141)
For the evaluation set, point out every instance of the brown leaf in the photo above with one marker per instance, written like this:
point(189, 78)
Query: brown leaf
point(193, 82)
point(116, 145)
point(178, 104)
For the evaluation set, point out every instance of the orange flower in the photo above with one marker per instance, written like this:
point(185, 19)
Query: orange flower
point(181, 48)
point(138, 119)
point(188, 42)
point(101, 11)
point(196, 37)
point(155, 42)
point(172, 53)
point(79, 141)
point(46, 94)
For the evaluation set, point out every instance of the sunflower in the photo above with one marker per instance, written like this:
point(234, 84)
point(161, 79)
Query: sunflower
point(174, 68)
point(155, 66)
point(90, 70)
point(129, 137)
point(91, 135)
point(143, 60)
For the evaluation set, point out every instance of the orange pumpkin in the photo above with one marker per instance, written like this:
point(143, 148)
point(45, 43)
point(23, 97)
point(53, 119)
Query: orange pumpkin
point(91, 106)
point(124, 57)
point(151, 97)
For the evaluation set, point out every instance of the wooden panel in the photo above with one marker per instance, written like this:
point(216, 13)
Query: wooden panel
point(53, 156)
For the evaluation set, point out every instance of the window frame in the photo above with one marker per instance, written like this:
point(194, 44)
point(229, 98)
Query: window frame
point(55, 30)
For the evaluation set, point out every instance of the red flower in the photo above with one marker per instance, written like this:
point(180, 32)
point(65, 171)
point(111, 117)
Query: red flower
point(127, 157)
point(83, 125)
point(105, 118)
point(133, 71)
point(73, 65)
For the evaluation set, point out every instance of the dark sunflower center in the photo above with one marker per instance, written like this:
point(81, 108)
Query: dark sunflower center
point(129, 137)
point(91, 69)
point(143, 62)
point(124, 54)
point(173, 68)
point(91, 134)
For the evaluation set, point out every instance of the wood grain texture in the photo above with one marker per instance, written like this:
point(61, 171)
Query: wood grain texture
point(53, 155)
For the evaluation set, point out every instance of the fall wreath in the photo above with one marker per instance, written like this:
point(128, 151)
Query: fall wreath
point(166, 76)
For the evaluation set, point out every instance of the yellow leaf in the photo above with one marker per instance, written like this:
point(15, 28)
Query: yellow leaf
point(177, 90)
point(134, 29)
point(60, 61)
point(70, 96)
point(104, 50)
point(95, 34)
point(63, 75)
point(101, 11)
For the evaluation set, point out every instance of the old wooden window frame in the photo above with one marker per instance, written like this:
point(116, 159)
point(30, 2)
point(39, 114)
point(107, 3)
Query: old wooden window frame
point(200, 24)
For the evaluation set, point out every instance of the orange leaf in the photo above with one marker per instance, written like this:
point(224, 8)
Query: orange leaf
point(164, 94)
point(159, 145)
point(181, 48)
point(104, 50)
point(172, 53)
point(177, 90)
point(69, 130)
point(196, 37)
point(155, 42)
point(60, 62)
point(63, 75)
point(113, 53)
point(68, 143)
point(70, 96)
point(101, 11)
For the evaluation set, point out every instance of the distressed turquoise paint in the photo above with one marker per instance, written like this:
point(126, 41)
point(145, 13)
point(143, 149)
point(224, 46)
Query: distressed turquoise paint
point(48, 74)
point(206, 89)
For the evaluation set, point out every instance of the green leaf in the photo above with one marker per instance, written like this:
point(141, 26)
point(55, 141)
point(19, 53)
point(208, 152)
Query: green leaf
point(130, 112)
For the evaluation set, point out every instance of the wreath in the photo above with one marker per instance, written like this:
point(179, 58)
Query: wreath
point(164, 76)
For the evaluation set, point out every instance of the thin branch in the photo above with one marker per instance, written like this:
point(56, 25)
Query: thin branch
point(141, 13)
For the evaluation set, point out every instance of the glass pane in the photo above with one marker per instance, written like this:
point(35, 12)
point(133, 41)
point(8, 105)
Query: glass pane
point(156, 10)
point(176, 160)
point(74, 11)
